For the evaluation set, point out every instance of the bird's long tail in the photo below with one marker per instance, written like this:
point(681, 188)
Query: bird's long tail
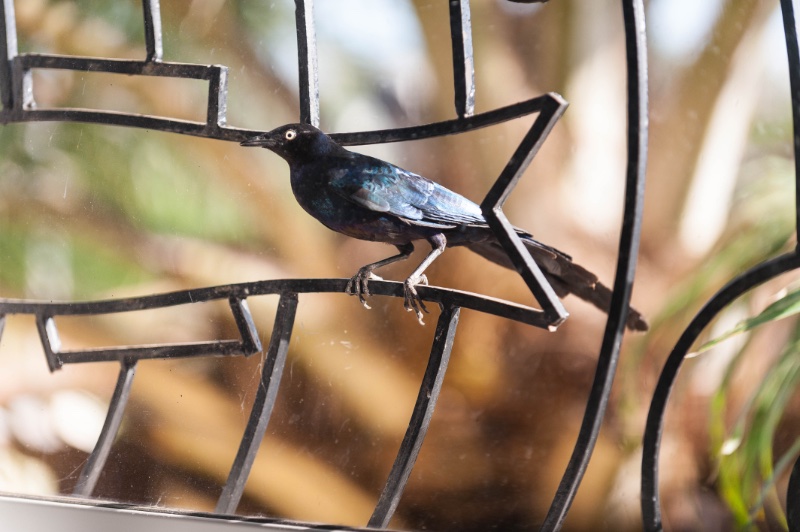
point(564, 276)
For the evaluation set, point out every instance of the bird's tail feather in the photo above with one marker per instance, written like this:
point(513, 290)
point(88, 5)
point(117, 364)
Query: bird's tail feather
point(564, 276)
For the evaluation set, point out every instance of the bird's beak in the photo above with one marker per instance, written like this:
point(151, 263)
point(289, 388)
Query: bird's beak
point(264, 140)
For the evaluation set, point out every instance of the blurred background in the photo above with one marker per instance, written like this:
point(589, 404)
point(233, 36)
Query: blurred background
point(90, 212)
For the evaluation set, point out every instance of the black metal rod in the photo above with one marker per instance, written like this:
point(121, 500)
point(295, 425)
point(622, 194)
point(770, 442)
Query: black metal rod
point(554, 312)
point(793, 57)
point(492, 206)
point(152, 30)
point(463, 62)
point(217, 99)
point(793, 499)
point(420, 418)
point(307, 61)
point(113, 118)
point(147, 352)
point(551, 108)
point(262, 405)
point(445, 296)
point(116, 409)
point(117, 66)
point(637, 97)
point(8, 50)
point(48, 335)
point(449, 127)
point(20, 113)
point(251, 343)
point(651, 512)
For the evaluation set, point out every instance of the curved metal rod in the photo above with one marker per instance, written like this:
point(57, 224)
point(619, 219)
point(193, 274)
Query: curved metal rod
point(262, 405)
point(444, 296)
point(793, 499)
point(116, 409)
point(214, 131)
point(793, 58)
point(651, 513)
point(636, 51)
point(420, 418)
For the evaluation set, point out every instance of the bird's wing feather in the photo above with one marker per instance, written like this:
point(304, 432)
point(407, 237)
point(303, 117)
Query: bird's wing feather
point(382, 187)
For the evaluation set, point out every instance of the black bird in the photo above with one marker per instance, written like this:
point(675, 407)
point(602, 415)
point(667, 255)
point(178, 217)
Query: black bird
point(366, 198)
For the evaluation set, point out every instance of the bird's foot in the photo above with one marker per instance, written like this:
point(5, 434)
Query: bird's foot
point(358, 285)
point(411, 300)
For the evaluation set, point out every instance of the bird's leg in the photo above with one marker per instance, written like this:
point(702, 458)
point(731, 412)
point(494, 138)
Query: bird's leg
point(357, 285)
point(411, 300)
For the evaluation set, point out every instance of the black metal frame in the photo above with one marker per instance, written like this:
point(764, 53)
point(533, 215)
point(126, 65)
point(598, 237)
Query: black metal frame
point(18, 105)
point(650, 500)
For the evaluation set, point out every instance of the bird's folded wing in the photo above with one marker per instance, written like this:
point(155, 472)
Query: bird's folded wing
point(386, 188)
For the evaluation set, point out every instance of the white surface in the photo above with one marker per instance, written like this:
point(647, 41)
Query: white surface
point(19, 514)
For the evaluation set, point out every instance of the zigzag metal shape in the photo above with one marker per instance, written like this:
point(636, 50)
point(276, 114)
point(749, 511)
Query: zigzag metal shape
point(16, 96)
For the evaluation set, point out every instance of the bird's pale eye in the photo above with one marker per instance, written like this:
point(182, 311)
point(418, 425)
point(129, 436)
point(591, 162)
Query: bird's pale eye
point(291, 134)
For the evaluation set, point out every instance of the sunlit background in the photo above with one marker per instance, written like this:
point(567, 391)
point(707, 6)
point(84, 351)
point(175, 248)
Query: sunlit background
point(92, 212)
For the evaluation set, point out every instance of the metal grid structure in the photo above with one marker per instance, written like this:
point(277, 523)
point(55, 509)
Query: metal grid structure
point(18, 105)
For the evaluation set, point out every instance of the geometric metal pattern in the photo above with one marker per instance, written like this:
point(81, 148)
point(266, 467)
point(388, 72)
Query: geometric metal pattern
point(16, 96)
point(18, 105)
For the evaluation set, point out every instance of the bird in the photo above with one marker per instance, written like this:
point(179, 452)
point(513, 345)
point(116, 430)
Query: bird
point(370, 199)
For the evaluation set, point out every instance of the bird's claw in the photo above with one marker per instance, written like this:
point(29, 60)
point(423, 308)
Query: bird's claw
point(358, 285)
point(411, 300)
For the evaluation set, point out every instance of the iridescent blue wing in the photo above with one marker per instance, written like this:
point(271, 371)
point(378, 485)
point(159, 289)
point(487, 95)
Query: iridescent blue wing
point(382, 187)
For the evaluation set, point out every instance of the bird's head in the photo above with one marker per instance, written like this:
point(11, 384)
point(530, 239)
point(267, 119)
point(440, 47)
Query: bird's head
point(295, 142)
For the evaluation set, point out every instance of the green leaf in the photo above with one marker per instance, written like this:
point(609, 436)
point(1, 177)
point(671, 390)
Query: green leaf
point(789, 305)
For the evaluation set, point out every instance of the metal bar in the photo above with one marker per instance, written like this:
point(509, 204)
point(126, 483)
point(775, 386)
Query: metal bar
point(217, 98)
point(251, 343)
point(307, 62)
point(8, 50)
point(552, 108)
point(262, 405)
point(488, 305)
point(554, 312)
point(793, 57)
point(152, 30)
point(48, 335)
point(21, 89)
point(651, 512)
point(199, 129)
point(449, 127)
point(793, 499)
point(420, 418)
point(637, 97)
point(118, 66)
point(463, 63)
point(116, 409)
point(146, 352)
point(113, 118)
point(492, 205)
